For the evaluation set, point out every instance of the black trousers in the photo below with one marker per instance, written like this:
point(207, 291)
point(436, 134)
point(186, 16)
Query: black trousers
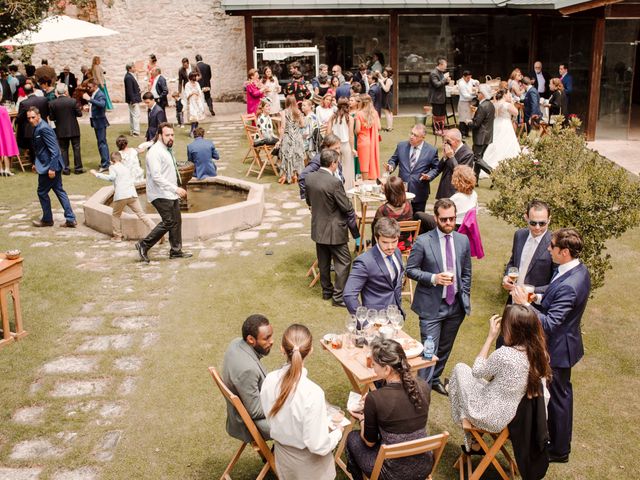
point(479, 163)
point(64, 147)
point(560, 421)
point(427, 221)
point(207, 99)
point(341, 263)
point(169, 211)
point(418, 207)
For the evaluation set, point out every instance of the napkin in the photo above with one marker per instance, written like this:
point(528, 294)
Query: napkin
point(354, 402)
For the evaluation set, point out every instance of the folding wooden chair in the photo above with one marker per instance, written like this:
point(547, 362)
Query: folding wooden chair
point(258, 164)
point(435, 444)
point(23, 160)
point(412, 226)
point(258, 443)
point(313, 272)
point(248, 121)
point(489, 456)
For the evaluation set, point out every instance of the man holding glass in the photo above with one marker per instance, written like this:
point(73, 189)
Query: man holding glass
point(376, 275)
point(440, 262)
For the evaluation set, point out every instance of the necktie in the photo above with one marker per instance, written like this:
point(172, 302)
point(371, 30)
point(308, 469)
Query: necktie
point(555, 275)
point(175, 166)
point(525, 260)
point(451, 289)
point(413, 158)
point(395, 268)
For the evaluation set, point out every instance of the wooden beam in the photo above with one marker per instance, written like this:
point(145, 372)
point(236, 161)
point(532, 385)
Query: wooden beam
point(586, 6)
point(248, 39)
point(533, 41)
point(623, 10)
point(597, 53)
point(394, 59)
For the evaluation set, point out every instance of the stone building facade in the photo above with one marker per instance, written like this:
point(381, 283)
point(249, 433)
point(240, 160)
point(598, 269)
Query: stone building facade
point(171, 30)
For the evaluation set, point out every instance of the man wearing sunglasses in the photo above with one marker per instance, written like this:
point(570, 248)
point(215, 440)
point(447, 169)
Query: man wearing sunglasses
point(529, 252)
point(440, 262)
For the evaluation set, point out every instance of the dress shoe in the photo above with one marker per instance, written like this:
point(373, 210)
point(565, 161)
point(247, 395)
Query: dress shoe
point(339, 304)
point(472, 451)
point(80, 171)
point(134, 134)
point(66, 172)
point(440, 388)
point(142, 252)
point(39, 223)
point(327, 296)
point(558, 458)
point(69, 224)
point(181, 255)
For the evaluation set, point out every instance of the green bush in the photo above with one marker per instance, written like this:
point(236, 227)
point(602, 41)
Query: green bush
point(584, 190)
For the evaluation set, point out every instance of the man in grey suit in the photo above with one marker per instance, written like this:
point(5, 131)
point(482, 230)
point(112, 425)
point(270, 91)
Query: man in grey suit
point(440, 261)
point(332, 216)
point(243, 373)
point(482, 126)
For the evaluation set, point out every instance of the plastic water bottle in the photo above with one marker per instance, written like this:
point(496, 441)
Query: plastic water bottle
point(429, 348)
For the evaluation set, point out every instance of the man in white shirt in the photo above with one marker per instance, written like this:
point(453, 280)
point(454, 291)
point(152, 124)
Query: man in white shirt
point(164, 193)
point(376, 275)
point(540, 80)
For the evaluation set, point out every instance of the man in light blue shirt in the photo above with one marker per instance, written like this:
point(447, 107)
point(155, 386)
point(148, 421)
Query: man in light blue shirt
point(201, 153)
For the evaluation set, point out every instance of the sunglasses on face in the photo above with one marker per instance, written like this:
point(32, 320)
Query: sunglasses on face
point(446, 219)
point(533, 223)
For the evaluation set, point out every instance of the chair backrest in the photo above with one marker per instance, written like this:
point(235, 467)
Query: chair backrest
point(435, 444)
point(246, 418)
point(412, 226)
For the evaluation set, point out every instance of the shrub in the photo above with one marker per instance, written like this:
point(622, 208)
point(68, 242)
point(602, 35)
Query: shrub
point(584, 190)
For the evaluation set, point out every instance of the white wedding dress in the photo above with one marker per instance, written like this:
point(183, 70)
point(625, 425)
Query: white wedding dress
point(505, 143)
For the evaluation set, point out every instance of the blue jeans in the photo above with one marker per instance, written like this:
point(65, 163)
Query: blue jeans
point(443, 328)
point(103, 148)
point(45, 185)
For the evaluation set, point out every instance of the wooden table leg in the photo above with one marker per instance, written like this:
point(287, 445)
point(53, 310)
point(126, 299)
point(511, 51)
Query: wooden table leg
point(15, 294)
point(4, 312)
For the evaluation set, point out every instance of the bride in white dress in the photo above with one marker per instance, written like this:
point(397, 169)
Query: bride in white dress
point(505, 143)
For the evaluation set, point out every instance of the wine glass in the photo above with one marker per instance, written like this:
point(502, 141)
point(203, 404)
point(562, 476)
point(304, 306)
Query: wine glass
point(372, 315)
point(361, 317)
point(397, 320)
point(351, 324)
point(382, 318)
point(358, 178)
point(392, 309)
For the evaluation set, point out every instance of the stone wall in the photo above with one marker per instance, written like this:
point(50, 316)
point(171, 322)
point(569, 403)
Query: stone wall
point(169, 29)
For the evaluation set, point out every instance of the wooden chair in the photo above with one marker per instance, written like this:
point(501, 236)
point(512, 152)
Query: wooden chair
point(489, 456)
point(258, 164)
point(313, 272)
point(413, 227)
point(23, 160)
point(435, 444)
point(364, 217)
point(258, 443)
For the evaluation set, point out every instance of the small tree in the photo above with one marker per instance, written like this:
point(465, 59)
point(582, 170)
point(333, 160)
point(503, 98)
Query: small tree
point(19, 15)
point(584, 190)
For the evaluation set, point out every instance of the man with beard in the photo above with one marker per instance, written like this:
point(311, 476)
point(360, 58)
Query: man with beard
point(244, 373)
point(164, 193)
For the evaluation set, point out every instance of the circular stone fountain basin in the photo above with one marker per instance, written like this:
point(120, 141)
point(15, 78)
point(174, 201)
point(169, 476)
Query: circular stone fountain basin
point(216, 205)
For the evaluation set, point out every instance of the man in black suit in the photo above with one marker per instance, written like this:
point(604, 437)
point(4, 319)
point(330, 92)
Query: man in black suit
point(25, 129)
point(540, 80)
point(560, 312)
point(156, 116)
point(132, 98)
point(530, 252)
point(65, 112)
point(332, 217)
point(205, 82)
point(437, 93)
point(159, 88)
point(418, 165)
point(183, 73)
point(456, 152)
point(482, 126)
point(69, 79)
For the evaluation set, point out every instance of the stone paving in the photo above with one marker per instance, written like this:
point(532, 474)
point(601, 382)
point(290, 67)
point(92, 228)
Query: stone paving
point(89, 383)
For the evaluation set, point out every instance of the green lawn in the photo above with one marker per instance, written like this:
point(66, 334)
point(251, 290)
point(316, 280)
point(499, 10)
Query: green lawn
point(174, 425)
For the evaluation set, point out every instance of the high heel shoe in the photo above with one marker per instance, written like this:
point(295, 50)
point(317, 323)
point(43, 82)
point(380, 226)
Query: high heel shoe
point(282, 179)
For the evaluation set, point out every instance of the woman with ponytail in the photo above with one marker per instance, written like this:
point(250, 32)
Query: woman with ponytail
point(297, 414)
point(396, 412)
point(488, 394)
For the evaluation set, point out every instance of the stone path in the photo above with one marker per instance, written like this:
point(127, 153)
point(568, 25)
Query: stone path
point(103, 349)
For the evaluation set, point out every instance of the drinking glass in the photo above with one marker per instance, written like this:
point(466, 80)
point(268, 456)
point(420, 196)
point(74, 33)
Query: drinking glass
point(351, 324)
point(392, 309)
point(372, 315)
point(513, 273)
point(382, 318)
point(361, 317)
point(358, 178)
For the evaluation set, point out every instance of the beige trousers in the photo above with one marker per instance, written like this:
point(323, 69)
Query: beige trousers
point(118, 207)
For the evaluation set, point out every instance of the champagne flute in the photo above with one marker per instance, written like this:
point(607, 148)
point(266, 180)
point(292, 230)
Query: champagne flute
point(382, 318)
point(392, 309)
point(372, 315)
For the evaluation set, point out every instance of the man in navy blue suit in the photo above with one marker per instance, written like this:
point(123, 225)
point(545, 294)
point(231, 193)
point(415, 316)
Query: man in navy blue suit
point(49, 165)
point(418, 162)
point(202, 153)
point(560, 312)
point(376, 275)
point(531, 102)
point(567, 80)
point(155, 116)
point(440, 261)
point(530, 253)
point(99, 122)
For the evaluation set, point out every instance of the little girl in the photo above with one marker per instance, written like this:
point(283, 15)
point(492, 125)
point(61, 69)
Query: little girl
point(125, 195)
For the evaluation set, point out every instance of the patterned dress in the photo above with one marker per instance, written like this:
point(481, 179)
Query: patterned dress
point(488, 394)
point(291, 148)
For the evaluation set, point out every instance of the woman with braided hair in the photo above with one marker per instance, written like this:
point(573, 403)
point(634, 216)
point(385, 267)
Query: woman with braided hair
point(297, 414)
point(396, 412)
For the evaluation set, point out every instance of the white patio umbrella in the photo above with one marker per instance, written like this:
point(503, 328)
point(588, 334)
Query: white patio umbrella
point(57, 29)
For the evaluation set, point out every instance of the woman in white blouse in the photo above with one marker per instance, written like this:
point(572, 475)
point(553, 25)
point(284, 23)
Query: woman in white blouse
point(297, 414)
point(325, 110)
point(465, 87)
point(466, 198)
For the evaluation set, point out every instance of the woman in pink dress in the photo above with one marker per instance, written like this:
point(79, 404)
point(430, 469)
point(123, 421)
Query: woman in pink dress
point(8, 145)
point(255, 91)
point(367, 128)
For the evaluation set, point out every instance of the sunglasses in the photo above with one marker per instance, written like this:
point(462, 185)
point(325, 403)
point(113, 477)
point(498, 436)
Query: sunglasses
point(446, 219)
point(533, 223)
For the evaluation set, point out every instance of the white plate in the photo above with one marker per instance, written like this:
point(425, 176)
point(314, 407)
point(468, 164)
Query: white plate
point(412, 348)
